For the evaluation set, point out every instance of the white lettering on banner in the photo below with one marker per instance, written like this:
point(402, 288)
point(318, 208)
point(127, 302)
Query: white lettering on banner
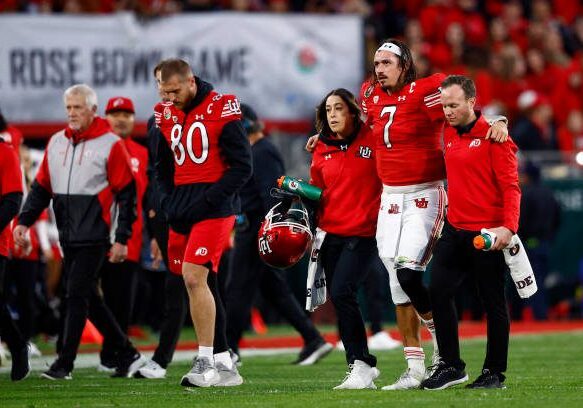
point(281, 74)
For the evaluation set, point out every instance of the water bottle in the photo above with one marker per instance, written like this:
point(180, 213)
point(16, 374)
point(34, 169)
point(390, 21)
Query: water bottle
point(485, 240)
point(301, 188)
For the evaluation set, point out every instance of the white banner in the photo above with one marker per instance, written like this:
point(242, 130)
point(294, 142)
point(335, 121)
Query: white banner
point(282, 65)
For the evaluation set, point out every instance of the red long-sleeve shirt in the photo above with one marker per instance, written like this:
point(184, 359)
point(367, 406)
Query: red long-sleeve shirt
point(351, 188)
point(482, 179)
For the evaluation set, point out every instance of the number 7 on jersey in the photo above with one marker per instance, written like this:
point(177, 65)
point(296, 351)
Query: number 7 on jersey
point(390, 110)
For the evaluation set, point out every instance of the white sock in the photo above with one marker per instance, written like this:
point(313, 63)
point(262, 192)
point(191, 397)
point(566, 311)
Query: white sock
point(431, 327)
point(415, 359)
point(206, 352)
point(225, 359)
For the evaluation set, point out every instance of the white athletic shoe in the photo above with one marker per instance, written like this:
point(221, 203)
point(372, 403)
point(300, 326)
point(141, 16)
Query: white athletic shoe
point(202, 374)
point(33, 350)
point(361, 376)
point(339, 345)
point(407, 381)
point(102, 368)
point(228, 378)
point(382, 341)
point(3, 354)
point(151, 370)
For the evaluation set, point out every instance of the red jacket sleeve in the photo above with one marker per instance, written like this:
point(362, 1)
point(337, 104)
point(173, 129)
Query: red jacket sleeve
point(10, 177)
point(505, 166)
point(315, 171)
point(119, 172)
point(43, 176)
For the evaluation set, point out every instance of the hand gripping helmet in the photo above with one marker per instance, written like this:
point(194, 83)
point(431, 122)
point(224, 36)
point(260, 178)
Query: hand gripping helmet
point(285, 234)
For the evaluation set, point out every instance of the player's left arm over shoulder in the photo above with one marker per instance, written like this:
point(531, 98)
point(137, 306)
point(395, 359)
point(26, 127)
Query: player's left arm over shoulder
point(236, 151)
point(498, 131)
point(505, 170)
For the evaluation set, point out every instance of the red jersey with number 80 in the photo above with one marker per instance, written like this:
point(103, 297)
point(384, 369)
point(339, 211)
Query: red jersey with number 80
point(407, 127)
point(194, 137)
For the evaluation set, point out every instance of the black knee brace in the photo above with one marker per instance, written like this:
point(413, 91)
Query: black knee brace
point(412, 283)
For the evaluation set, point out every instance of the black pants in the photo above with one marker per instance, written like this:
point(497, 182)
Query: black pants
point(83, 299)
point(175, 300)
point(22, 274)
point(454, 260)
point(8, 329)
point(377, 293)
point(247, 274)
point(346, 262)
point(118, 282)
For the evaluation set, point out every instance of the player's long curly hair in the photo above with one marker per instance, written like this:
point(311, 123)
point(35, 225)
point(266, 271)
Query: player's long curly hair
point(409, 73)
point(322, 126)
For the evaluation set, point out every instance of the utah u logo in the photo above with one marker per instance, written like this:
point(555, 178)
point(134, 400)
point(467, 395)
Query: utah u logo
point(393, 208)
point(475, 143)
point(264, 247)
point(421, 202)
point(365, 152)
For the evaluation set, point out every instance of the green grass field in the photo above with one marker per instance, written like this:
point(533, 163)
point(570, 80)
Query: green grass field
point(544, 371)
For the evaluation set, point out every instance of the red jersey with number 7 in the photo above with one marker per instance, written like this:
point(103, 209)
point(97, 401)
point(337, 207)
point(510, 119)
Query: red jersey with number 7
point(193, 137)
point(407, 126)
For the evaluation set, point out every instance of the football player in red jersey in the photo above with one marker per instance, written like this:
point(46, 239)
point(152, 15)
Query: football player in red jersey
point(118, 280)
point(407, 120)
point(211, 161)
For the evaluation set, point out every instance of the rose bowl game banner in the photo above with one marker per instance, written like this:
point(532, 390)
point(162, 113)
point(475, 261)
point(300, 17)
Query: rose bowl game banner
point(281, 64)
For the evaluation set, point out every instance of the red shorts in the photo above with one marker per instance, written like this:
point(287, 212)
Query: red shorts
point(205, 244)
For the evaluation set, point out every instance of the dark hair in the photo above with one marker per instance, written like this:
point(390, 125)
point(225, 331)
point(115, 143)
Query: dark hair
point(322, 125)
point(409, 73)
point(3, 123)
point(464, 82)
point(174, 66)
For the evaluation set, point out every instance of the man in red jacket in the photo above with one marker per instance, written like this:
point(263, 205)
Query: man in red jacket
point(84, 169)
point(118, 280)
point(483, 192)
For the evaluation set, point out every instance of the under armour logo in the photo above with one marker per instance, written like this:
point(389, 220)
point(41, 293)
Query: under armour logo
point(328, 157)
point(343, 147)
point(198, 117)
point(421, 202)
point(401, 98)
point(177, 261)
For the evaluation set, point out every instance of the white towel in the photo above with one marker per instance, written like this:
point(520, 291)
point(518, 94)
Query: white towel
point(316, 282)
point(520, 268)
point(519, 265)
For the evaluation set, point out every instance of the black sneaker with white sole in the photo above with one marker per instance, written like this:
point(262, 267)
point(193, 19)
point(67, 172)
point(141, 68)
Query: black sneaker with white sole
point(488, 380)
point(313, 352)
point(56, 373)
point(128, 365)
point(443, 377)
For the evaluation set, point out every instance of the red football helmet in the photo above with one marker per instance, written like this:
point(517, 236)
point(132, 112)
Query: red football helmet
point(284, 236)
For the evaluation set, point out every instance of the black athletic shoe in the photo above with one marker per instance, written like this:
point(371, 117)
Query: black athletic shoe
point(444, 377)
point(313, 352)
point(128, 365)
point(56, 373)
point(488, 379)
point(20, 364)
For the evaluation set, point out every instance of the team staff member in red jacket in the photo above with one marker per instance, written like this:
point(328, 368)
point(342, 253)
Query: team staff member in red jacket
point(118, 280)
point(85, 167)
point(343, 159)
point(10, 199)
point(211, 162)
point(483, 192)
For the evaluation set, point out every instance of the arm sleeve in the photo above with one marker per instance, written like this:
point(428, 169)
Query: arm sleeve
point(162, 161)
point(432, 97)
point(123, 185)
point(268, 167)
point(37, 200)
point(9, 206)
point(505, 166)
point(315, 172)
point(236, 151)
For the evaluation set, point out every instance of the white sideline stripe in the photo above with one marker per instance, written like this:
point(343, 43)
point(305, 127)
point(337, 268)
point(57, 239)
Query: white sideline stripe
point(89, 360)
